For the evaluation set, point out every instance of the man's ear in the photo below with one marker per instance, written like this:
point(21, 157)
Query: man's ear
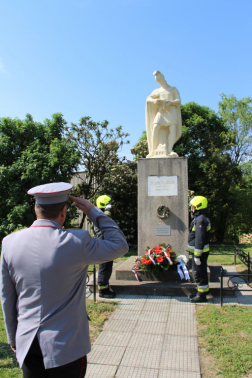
point(64, 211)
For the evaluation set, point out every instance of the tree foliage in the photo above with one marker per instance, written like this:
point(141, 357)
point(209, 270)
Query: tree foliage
point(98, 147)
point(240, 221)
point(237, 116)
point(121, 184)
point(211, 171)
point(140, 149)
point(31, 154)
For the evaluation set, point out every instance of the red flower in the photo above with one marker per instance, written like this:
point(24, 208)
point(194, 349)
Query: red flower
point(149, 262)
point(168, 254)
point(144, 261)
point(160, 259)
point(168, 250)
point(158, 252)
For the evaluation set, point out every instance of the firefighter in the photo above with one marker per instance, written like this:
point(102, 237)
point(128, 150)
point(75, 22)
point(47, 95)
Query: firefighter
point(198, 245)
point(105, 269)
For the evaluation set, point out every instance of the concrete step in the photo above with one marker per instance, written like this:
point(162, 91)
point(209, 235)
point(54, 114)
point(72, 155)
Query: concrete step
point(172, 285)
point(124, 272)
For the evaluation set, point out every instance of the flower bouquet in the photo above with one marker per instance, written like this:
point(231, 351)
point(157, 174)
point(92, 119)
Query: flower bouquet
point(156, 260)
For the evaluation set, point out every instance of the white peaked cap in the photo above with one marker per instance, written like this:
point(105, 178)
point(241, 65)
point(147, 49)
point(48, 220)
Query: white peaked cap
point(48, 194)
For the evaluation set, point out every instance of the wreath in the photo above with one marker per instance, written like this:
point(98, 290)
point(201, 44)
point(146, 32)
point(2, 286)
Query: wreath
point(163, 211)
point(157, 259)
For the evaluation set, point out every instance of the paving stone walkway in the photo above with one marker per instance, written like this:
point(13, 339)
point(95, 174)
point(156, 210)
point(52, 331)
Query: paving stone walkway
point(151, 337)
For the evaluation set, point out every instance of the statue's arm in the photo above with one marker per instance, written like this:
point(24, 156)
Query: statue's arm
point(153, 97)
point(177, 99)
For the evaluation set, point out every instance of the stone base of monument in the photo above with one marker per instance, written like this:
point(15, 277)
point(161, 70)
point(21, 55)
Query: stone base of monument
point(124, 272)
point(123, 281)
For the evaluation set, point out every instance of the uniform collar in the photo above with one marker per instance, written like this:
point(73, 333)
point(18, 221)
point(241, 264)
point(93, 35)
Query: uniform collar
point(46, 223)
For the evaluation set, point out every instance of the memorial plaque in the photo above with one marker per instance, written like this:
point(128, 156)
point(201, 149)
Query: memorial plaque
point(162, 186)
point(163, 230)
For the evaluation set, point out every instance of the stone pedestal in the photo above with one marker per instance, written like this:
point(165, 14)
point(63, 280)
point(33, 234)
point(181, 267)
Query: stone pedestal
point(163, 181)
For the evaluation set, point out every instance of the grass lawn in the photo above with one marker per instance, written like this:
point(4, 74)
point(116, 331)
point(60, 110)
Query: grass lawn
point(98, 312)
point(225, 339)
point(8, 363)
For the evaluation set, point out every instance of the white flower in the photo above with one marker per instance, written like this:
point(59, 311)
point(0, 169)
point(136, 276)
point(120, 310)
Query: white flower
point(183, 257)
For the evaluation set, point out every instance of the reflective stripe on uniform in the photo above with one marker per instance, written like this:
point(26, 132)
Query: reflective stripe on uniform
point(103, 287)
point(203, 288)
point(198, 252)
point(190, 248)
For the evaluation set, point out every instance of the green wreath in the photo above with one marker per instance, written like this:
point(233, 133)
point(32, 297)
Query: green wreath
point(163, 211)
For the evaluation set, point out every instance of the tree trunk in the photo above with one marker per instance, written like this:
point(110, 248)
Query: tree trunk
point(82, 221)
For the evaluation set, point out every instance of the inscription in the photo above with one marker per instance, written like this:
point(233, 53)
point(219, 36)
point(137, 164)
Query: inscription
point(163, 230)
point(162, 186)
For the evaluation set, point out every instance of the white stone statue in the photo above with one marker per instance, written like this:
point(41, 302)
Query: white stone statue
point(163, 119)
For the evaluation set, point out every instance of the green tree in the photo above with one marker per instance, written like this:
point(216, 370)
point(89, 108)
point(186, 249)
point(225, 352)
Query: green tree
point(237, 116)
point(98, 147)
point(31, 154)
point(240, 221)
point(121, 184)
point(140, 149)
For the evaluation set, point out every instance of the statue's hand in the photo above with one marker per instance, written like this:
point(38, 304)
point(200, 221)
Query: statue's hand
point(167, 104)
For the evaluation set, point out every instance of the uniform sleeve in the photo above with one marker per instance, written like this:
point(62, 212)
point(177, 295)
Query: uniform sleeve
point(200, 230)
point(8, 299)
point(113, 245)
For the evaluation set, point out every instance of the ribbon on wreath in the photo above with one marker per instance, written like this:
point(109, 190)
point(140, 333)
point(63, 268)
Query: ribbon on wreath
point(168, 258)
point(134, 270)
point(149, 251)
point(182, 270)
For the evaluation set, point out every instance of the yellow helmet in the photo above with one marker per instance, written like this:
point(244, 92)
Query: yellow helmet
point(199, 202)
point(102, 201)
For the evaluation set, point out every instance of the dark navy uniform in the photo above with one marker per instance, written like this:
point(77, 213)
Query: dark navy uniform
point(105, 269)
point(198, 245)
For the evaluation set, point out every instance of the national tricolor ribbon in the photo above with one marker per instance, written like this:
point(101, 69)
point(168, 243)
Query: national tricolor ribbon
point(151, 257)
point(168, 258)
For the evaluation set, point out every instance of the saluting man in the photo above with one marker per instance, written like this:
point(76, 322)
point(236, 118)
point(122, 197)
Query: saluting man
point(105, 270)
point(198, 245)
point(43, 284)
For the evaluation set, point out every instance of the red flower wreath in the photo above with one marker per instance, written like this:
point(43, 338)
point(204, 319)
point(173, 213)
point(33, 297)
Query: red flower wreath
point(160, 259)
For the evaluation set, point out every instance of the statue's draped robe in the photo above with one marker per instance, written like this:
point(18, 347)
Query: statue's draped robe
point(170, 115)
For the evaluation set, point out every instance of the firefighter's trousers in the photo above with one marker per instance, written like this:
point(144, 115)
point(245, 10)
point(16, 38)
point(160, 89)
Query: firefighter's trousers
point(200, 274)
point(104, 274)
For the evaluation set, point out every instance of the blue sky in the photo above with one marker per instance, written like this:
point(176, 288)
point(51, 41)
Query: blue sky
point(97, 57)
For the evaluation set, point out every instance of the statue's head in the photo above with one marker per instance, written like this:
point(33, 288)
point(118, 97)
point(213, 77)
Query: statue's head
point(159, 77)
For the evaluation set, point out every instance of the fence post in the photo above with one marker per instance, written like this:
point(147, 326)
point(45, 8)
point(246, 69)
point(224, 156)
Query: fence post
point(249, 265)
point(94, 281)
point(221, 277)
point(234, 254)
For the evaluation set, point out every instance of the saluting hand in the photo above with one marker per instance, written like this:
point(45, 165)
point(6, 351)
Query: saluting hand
point(82, 204)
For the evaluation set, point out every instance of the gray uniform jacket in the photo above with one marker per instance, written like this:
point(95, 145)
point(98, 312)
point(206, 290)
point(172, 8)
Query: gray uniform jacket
point(43, 285)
